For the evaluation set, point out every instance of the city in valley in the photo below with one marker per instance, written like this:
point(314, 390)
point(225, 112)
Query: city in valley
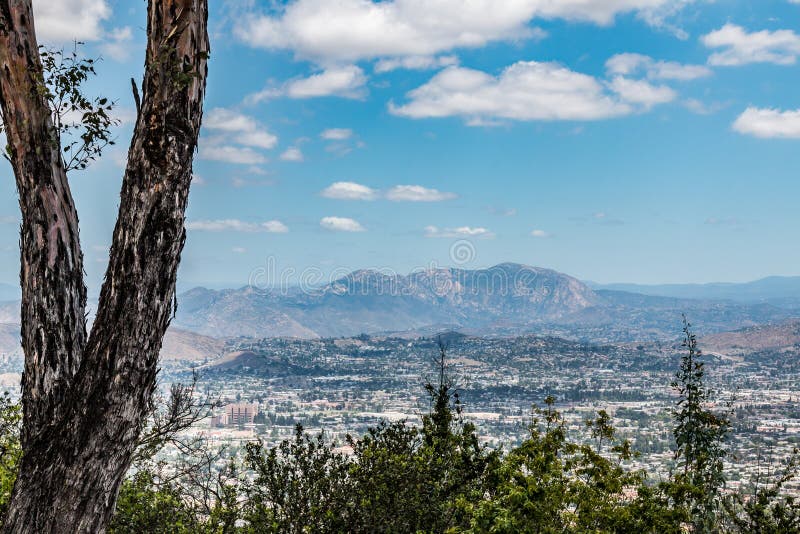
point(525, 334)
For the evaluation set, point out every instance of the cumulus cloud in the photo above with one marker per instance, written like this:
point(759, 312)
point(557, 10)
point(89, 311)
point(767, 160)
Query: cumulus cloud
point(527, 90)
point(245, 129)
point(336, 134)
point(769, 123)
point(235, 225)
point(459, 232)
point(69, 20)
point(738, 47)
point(117, 43)
point(345, 81)
point(292, 154)
point(415, 63)
point(349, 191)
point(417, 193)
point(355, 30)
point(540, 234)
point(398, 193)
point(231, 154)
point(633, 64)
point(641, 92)
point(235, 136)
point(341, 224)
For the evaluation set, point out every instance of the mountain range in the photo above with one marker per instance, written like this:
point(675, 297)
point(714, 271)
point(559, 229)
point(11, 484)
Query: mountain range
point(506, 299)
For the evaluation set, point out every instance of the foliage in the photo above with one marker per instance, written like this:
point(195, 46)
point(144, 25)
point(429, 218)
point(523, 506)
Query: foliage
point(146, 506)
point(10, 450)
point(700, 436)
point(549, 484)
point(300, 486)
point(438, 478)
point(82, 124)
point(398, 478)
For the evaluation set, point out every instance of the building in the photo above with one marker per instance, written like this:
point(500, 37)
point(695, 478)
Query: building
point(237, 414)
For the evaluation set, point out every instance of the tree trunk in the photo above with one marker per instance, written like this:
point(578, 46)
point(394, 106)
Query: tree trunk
point(84, 400)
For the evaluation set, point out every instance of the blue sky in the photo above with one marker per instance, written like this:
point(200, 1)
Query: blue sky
point(615, 140)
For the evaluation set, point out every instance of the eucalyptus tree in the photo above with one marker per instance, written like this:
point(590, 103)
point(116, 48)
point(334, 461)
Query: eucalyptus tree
point(85, 394)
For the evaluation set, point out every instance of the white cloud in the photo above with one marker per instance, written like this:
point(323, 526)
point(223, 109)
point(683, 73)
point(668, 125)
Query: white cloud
point(526, 90)
point(69, 20)
point(117, 43)
point(230, 154)
point(341, 224)
point(239, 250)
point(349, 191)
point(769, 123)
point(292, 154)
point(354, 30)
point(540, 234)
point(415, 63)
point(275, 227)
point(398, 193)
point(461, 231)
point(641, 92)
point(347, 82)
point(740, 47)
point(235, 225)
point(229, 121)
point(417, 193)
point(336, 134)
point(247, 131)
point(631, 64)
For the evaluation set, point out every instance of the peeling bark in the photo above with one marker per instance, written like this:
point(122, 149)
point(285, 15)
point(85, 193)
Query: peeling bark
point(85, 399)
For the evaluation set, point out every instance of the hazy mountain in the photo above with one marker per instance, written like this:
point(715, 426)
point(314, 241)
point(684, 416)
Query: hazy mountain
point(370, 301)
point(507, 299)
point(776, 290)
point(504, 299)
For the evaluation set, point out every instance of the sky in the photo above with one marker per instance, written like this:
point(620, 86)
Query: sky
point(647, 141)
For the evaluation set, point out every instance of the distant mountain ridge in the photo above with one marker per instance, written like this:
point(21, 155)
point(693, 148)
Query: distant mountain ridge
point(505, 299)
point(777, 290)
point(371, 301)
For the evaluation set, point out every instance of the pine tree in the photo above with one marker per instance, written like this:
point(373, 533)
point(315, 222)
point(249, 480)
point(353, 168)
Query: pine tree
point(700, 435)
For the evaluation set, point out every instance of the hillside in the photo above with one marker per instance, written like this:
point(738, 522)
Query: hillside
point(183, 345)
point(756, 338)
